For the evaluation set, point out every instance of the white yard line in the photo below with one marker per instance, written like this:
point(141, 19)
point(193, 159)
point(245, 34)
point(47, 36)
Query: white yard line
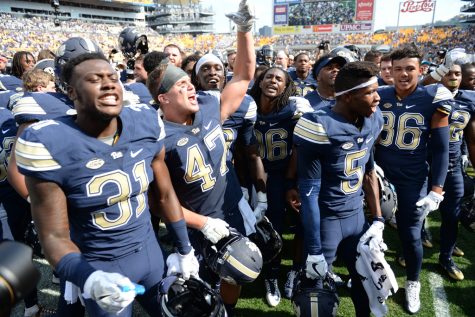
point(441, 305)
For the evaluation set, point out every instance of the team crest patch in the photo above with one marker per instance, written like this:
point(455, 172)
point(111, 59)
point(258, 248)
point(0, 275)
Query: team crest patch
point(387, 105)
point(182, 141)
point(95, 163)
point(347, 146)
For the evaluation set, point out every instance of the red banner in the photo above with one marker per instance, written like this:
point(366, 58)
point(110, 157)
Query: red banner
point(327, 28)
point(416, 6)
point(364, 10)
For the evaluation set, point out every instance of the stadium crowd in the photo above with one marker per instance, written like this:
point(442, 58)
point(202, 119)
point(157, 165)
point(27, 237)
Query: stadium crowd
point(197, 137)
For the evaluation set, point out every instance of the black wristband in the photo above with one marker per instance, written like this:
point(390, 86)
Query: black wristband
point(381, 219)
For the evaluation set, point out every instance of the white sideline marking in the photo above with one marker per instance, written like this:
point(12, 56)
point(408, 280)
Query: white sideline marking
point(441, 305)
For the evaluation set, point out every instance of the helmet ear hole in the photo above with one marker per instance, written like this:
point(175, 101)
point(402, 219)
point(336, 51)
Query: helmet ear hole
point(235, 258)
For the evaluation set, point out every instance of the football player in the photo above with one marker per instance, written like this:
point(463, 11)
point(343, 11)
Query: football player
point(324, 71)
point(468, 76)
point(302, 75)
point(462, 124)
point(174, 53)
point(196, 149)
point(335, 163)
point(89, 200)
point(277, 114)
point(412, 114)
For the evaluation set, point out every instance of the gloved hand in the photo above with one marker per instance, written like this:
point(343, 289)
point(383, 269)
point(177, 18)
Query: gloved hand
point(457, 54)
point(375, 232)
point(316, 266)
point(261, 207)
point(450, 58)
point(243, 18)
point(302, 105)
point(465, 162)
point(429, 203)
point(187, 265)
point(105, 289)
point(215, 229)
point(245, 193)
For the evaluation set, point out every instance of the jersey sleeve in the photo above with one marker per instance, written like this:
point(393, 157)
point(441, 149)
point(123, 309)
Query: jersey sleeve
point(442, 98)
point(246, 132)
point(34, 158)
point(309, 138)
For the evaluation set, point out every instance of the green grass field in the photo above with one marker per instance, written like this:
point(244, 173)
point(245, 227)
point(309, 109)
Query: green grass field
point(460, 295)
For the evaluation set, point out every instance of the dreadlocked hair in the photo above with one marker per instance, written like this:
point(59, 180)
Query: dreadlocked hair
point(17, 68)
point(279, 102)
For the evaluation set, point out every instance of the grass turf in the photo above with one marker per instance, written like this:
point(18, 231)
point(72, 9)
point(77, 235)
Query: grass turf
point(460, 295)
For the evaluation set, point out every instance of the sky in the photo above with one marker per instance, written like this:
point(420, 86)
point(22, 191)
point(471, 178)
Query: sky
point(385, 14)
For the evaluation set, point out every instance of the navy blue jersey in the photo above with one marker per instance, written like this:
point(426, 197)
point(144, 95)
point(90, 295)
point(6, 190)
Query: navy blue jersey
point(463, 108)
point(38, 106)
point(5, 97)
point(317, 101)
point(8, 82)
point(241, 125)
point(196, 159)
point(139, 93)
point(8, 131)
point(105, 185)
point(274, 135)
point(341, 151)
point(303, 86)
point(402, 149)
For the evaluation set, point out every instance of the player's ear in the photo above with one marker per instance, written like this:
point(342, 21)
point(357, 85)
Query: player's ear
point(71, 92)
point(163, 99)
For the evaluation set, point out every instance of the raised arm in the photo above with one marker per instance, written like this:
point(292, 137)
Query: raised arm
point(245, 63)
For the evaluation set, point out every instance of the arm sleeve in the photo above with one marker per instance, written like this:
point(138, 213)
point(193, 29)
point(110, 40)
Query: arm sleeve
point(440, 155)
point(310, 214)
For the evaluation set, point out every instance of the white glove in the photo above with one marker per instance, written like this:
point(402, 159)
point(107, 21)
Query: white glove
point(452, 56)
point(302, 105)
point(215, 229)
point(243, 18)
point(245, 193)
point(429, 203)
point(374, 232)
point(187, 265)
point(316, 266)
point(105, 289)
point(465, 161)
point(261, 206)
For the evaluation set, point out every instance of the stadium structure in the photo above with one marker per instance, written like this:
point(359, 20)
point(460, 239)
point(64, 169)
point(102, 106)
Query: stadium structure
point(181, 16)
point(468, 10)
point(164, 16)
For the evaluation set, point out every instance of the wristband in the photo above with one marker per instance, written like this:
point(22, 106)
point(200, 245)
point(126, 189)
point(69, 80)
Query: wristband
point(381, 219)
point(180, 236)
point(75, 268)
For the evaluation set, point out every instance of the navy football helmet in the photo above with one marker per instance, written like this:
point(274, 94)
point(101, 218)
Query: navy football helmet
point(468, 186)
point(267, 239)
point(131, 43)
point(388, 196)
point(70, 49)
point(467, 213)
point(235, 258)
point(191, 298)
point(314, 297)
point(46, 65)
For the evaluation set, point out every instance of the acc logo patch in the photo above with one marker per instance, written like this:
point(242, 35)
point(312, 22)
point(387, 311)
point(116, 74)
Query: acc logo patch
point(387, 105)
point(347, 145)
point(360, 140)
point(182, 141)
point(95, 163)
